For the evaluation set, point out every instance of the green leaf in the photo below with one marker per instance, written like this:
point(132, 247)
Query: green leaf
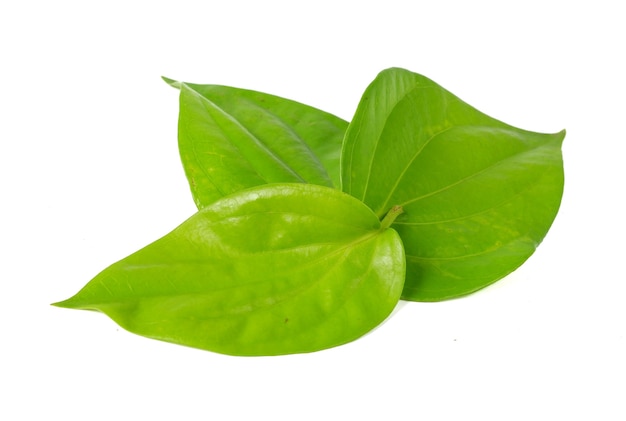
point(278, 269)
point(231, 139)
point(478, 195)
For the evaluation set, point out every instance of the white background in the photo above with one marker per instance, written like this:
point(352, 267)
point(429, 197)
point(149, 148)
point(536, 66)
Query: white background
point(89, 173)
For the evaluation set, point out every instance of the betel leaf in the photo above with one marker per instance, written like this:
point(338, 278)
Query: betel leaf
point(278, 269)
point(231, 139)
point(478, 195)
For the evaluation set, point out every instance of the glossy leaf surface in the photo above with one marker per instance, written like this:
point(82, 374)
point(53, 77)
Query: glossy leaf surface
point(272, 270)
point(478, 195)
point(231, 139)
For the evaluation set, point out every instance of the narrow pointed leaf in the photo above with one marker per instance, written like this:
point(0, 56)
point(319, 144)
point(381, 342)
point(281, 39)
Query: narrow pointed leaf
point(278, 269)
point(231, 139)
point(478, 195)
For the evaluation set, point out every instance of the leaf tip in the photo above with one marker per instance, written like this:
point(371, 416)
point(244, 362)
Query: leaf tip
point(62, 304)
point(174, 83)
point(559, 136)
point(69, 303)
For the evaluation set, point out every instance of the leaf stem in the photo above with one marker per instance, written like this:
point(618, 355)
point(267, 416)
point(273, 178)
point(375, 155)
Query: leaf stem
point(391, 217)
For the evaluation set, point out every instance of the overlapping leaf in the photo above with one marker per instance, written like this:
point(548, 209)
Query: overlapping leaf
point(231, 139)
point(478, 195)
point(276, 261)
point(271, 270)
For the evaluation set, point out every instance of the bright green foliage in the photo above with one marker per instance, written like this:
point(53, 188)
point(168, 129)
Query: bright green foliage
point(478, 195)
point(271, 270)
point(230, 139)
point(442, 200)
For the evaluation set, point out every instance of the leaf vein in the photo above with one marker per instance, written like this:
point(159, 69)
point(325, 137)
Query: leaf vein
point(476, 174)
point(260, 144)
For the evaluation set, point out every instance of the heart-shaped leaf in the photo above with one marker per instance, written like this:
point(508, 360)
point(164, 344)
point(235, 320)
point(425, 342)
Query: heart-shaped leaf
point(278, 269)
point(231, 139)
point(478, 195)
